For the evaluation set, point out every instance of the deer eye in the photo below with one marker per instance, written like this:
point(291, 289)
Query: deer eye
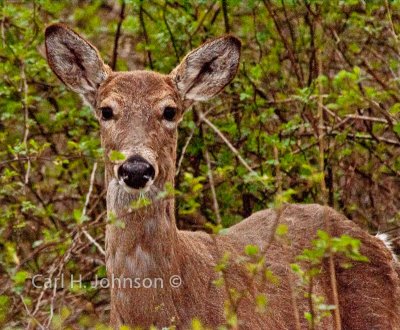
point(169, 113)
point(106, 113)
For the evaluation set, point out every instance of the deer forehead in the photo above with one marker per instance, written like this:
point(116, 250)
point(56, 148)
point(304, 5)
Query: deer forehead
point(137, 89)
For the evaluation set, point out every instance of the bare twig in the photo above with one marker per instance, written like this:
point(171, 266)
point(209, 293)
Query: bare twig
point(278, 175)
point(368, 118)
point(84, 231)
point(47, 159)
point(189, 138)
point(212, 186)
point(26, 122)
point(291, 53)
point(30, 314)
point(392, 29)
point(2, 31)
point(353, 136)
point(321, 143)
point(366, 137)
point(117, 35)
point(171, 35)
point(145, 35)
point(94, 242)
point(226, 18)
point(222, 136)
point(332, 272)
point(92, 177)
point(202, 19)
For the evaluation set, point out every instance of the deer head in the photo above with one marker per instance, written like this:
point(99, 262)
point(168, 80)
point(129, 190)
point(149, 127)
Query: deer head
point(139, 111)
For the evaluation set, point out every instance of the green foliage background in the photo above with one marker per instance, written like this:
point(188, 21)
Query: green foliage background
point(314, 111)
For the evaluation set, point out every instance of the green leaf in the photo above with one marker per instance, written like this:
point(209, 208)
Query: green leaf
point(20, 277)
point(115, 155)
point(396, 128)
point(251, 250)
point(282, 229)
point(261, 301)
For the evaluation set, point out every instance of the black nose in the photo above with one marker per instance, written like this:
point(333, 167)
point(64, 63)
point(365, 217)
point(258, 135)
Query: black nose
point(136, 172)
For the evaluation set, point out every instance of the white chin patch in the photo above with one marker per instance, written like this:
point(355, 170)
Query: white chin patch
point(130, 190)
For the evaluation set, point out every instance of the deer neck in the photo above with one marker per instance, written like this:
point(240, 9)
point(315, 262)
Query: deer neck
point(140, 241)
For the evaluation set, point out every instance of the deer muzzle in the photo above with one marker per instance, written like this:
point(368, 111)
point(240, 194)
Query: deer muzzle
point(136, 172)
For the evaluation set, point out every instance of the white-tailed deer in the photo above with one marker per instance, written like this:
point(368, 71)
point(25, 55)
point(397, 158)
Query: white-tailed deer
point(139, 112)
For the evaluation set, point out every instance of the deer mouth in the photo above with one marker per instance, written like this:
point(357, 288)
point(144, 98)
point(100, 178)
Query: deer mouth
point(131, 190)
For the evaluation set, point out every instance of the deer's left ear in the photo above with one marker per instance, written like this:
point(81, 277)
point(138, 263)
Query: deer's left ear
point(205, 71)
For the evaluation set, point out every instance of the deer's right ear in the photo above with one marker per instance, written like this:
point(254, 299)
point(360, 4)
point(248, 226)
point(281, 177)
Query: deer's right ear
point(75, 61)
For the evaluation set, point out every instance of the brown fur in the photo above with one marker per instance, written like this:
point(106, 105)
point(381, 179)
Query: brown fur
point(150, 246)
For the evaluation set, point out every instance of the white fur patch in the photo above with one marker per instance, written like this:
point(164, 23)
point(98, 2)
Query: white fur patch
point(388, 243)
point(119, 199)
point(141, 262)
point(170, 124)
